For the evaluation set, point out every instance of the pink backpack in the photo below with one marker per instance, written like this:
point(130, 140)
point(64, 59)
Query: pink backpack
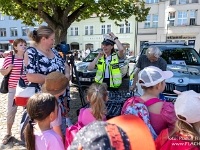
point(71, 131)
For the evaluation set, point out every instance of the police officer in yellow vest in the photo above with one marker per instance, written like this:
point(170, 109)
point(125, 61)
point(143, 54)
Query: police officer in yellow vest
point(107, 63)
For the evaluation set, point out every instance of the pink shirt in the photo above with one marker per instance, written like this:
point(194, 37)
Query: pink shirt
point(166, 119)
point(87, 117)
point(48, 140)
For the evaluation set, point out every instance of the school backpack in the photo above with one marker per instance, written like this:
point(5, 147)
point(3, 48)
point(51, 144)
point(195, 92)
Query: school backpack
point(71, 131)
point(134, 106)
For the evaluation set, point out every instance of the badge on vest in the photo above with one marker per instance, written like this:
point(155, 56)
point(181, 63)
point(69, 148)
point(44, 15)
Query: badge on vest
point(115, 66)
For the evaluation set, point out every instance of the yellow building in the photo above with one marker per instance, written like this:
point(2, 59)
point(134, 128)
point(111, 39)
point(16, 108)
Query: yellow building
point(89, 33)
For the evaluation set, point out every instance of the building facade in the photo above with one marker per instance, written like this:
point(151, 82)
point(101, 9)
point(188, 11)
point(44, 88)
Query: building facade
point(11, 29)
point(89, 33)
point(173, 20)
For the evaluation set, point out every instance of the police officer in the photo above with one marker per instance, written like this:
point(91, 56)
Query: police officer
point(107, 63)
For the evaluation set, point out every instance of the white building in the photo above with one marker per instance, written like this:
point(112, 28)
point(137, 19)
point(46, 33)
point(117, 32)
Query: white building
point(89, 33)
point(174, 20)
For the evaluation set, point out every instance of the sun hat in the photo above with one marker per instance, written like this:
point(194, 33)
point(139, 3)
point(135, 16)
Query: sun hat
point(55, 83)
point(187, 105)
point(151, 76)
point(108, 40)
point(125, 132)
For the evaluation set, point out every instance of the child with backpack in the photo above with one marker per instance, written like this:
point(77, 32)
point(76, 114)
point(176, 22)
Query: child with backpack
point(42, 109)
point(187, 134)
point(161, 113)
point(97, 96)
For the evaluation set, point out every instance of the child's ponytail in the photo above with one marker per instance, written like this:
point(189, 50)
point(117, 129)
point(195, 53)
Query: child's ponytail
point(97, 96)
point(29, 136)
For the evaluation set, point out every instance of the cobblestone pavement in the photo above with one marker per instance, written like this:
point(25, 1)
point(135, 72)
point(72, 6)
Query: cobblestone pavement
point(15, 143)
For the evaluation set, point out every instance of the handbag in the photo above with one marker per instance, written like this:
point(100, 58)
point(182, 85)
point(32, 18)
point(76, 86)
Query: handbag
point(4, 82)
point(24, 91)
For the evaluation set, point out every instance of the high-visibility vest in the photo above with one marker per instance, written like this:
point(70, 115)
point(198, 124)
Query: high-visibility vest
point(114, 71)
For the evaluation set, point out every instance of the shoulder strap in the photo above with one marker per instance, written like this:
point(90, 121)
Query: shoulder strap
point(152, 101)
point(13, 57)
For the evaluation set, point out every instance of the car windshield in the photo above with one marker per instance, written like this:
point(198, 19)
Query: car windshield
point(183, 56)
point(90, 57)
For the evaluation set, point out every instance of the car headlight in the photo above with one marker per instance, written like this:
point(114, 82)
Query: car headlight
point(80, 68)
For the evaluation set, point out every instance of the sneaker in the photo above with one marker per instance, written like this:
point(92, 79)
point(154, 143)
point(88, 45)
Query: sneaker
point(68, 122)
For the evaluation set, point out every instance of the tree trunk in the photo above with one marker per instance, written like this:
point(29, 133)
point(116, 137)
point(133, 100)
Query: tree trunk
point(60, 35)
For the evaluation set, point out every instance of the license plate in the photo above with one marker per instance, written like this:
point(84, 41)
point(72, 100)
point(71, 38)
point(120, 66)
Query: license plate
point(84, 79)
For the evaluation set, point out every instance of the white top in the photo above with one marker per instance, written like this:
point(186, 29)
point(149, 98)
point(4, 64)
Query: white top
point(108, 60)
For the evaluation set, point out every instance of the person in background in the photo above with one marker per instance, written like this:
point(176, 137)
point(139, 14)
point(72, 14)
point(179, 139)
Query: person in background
point(42, 109)
point(19, 46)
point(96, 96)
point(42, 59)
point(152, 58)
point(187, 134)
point(107, 63)
point(87, 52)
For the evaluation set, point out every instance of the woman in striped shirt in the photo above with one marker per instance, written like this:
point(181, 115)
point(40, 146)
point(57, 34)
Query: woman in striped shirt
point(19, 46)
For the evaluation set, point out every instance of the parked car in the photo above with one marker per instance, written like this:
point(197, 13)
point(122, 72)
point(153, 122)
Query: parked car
point(184, 62)
point(86, 77)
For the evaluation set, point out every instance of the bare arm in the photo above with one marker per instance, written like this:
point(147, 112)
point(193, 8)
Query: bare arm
point(6, 71)
point(67, 71)
point(135, 79)
point(119, 45)
point(33, 77)
point(93, 63)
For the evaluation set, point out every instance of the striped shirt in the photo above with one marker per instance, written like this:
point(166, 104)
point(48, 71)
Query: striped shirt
point(15, 72)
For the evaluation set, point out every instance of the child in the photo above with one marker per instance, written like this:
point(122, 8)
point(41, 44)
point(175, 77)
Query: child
point(152, 80)
point(56, 84)
point(97, 96)
point(19, 46)
point(42, 109)
point(187, 134)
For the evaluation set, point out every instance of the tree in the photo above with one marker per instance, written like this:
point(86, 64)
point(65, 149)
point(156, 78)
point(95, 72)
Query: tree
point(60, 14)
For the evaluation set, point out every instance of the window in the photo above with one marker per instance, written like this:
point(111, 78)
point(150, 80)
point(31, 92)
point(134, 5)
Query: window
point(147, 22)
point(11, 17)
point(2, 32)
point(155, 21)
point(195, 1)
point(1, 16)
point(91, 30)
point(121, 30)
point(76, 31)
point(171, 18)
point(172, 2)
point(86, 30)
point(184, 2)
point(24, 31)
point(128, 30)
point(151, 1)
point(103, 29)
point(13, 31)
point(182, 18)
point(108, 29)
point(71, 31)
point(192, 17)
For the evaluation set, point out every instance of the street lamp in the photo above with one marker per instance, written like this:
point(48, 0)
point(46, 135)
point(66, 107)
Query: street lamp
point(168, 21)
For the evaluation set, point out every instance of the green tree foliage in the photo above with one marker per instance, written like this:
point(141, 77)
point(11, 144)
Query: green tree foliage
point(60, 14)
